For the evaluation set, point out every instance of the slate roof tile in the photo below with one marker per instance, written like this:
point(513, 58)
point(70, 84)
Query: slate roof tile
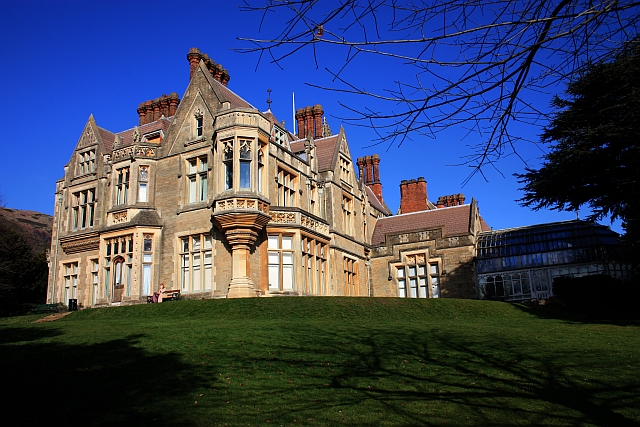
point(455, 220)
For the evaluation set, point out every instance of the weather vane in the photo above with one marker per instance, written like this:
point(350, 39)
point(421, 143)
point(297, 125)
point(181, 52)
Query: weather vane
point(269, 101)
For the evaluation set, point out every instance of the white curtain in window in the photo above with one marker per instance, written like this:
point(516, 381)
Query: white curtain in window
point(146, 280)
point(142, 193)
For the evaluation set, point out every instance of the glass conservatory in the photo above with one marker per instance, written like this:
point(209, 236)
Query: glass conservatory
point(521, 263)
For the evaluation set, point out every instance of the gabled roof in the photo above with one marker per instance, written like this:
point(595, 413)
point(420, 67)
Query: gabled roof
point(375, 202)
point(107, 138)
point(325, 150)
point(223, 92)
point(127, 135)
point(455, 221)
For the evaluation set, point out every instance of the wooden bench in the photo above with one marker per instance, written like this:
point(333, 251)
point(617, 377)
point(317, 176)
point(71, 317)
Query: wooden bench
point(45, 308)
point(170, 295)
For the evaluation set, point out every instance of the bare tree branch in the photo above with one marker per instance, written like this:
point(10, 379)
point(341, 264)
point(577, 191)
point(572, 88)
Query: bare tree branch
point(477, 63)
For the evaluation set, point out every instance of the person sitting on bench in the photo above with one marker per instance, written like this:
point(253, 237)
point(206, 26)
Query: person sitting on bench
point(162, 292)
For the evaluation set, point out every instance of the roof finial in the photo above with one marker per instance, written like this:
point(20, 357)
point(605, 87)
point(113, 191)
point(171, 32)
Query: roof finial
point(269, 101)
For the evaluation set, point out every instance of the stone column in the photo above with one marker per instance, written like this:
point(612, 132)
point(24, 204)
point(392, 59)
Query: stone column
point(241, 220)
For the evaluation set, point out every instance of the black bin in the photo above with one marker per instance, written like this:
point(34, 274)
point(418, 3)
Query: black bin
point(73, 304)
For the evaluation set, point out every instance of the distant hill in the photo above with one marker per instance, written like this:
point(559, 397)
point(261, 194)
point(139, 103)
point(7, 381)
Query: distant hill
point(35, 225)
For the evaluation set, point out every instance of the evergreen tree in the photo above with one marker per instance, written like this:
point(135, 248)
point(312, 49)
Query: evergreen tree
point(594, 159)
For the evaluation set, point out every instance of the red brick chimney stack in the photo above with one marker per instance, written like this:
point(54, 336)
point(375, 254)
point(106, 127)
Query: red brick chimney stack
point(413, 195)
point(317, 121)
point(368, 167)
point(309, 121)
point(450, 200)
point(361, 169)
point(194, 56)
point(174, 100)
point(150, 111)
point(216, 70)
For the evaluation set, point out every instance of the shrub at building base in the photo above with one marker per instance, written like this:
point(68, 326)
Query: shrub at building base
point(598, 296)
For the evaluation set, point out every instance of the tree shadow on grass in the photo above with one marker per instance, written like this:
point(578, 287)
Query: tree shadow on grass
point(427, 379)
point(559, 313)
point(108, 383)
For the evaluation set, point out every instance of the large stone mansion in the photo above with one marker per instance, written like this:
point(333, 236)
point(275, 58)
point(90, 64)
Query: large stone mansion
point(215, 198)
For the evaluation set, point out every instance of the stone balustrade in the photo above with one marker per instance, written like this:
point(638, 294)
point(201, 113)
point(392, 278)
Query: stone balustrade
point(298, 219)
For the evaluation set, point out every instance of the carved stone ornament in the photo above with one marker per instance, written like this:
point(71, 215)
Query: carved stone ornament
point(81, 245)
point(283, 217)
point(88, 137)
point(119, 217)
point(241, 203)
point(136, 134)
point(124, 153)
point(145, 152)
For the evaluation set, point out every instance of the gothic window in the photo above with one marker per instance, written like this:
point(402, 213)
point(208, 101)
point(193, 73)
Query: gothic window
point(286, 182)
point(260, 170)
point(245, 163)
point(122, 186)
point(350, 276)
point(83, 209)
point(143, 181)
point(86, 162)
point(196, 263)
point(227, 158)
point(198, 170)
point(280, 256)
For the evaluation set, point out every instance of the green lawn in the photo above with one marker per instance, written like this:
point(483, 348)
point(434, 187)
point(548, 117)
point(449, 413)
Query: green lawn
point(320, 361)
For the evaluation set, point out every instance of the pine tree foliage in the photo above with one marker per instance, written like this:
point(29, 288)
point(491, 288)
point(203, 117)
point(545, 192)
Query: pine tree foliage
point(594, 160)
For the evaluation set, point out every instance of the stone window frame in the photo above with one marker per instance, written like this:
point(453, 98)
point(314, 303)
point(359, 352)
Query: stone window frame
point(281, 259)
point(86, 162)
point(350, 270)
point(314, 265)
point(348, 212)
point(118, 247)
point(188, 254)
point(197, 179)
point(122, 185)
point(345, 169)
point(143, 182)
point(70, 274)
point(286, 186)
point(83, 208)
point(417, 265)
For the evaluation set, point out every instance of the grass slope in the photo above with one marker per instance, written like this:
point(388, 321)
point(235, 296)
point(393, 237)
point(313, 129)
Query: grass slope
point(319, 361)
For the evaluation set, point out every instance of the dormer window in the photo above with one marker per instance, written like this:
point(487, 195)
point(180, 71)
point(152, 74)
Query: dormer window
point(279, 136)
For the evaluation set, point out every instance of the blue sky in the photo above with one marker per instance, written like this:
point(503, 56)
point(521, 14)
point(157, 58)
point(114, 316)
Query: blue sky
point(62, 61)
